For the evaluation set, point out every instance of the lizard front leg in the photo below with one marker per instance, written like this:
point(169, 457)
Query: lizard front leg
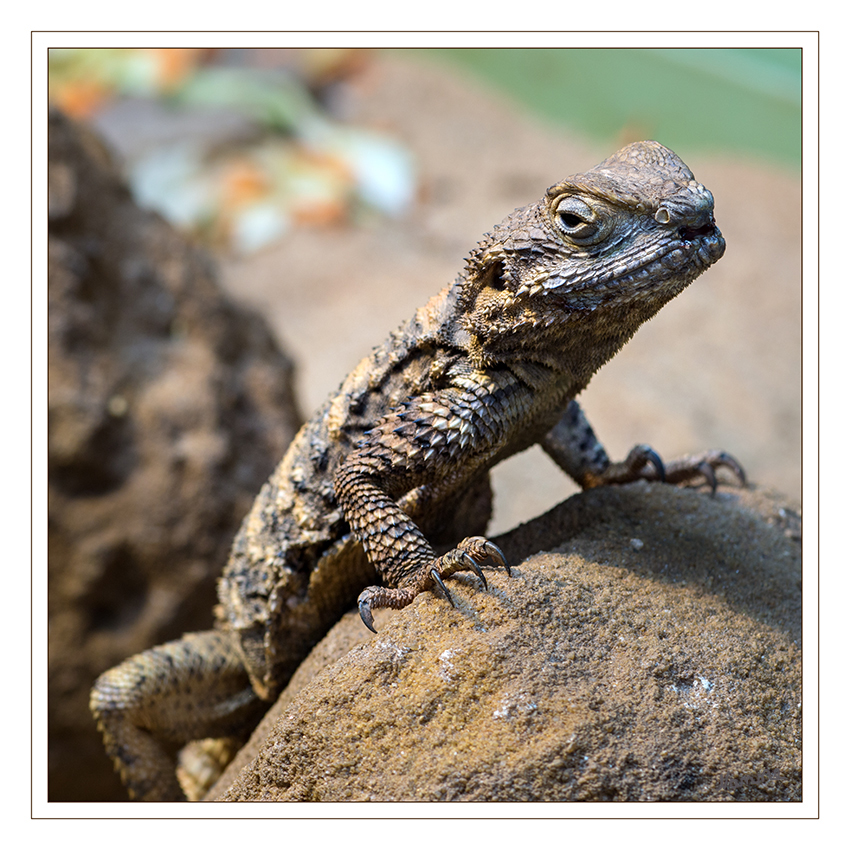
point(573, 445)
point(400, 552)
point(424, 451)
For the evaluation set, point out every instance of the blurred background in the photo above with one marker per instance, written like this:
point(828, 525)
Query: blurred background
point(239, 144)
point(312, 173)
point(337, 190)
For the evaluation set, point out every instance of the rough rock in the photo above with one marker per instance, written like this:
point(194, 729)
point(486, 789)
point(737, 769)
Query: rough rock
point(168, 408)
point(650, 652)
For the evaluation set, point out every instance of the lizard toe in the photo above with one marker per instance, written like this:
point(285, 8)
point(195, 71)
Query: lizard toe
point(704, 466)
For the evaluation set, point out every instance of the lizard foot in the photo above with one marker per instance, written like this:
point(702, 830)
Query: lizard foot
point(468, 555)
point(704, 466)
point(644, 463)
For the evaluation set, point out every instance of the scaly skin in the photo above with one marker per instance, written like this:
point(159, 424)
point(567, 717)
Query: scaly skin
point(395, 466)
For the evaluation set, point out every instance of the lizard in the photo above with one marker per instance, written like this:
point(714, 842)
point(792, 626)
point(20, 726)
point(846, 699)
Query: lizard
point(394, 467)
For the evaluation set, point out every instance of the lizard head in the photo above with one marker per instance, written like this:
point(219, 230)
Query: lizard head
point(608, 247)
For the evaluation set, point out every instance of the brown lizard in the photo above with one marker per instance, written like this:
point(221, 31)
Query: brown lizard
point(394, 467)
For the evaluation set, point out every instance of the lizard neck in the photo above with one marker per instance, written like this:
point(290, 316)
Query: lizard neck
point(566, 352)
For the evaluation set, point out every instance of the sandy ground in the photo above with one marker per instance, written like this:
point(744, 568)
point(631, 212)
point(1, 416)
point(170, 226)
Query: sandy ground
point(718, 367)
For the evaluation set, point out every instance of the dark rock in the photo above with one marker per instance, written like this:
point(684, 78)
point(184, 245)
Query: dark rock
point(168, 408)
point(652, 653)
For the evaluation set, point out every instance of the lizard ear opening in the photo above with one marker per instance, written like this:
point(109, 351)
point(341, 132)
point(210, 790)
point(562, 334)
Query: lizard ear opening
point(485, 291)
point(493, 277)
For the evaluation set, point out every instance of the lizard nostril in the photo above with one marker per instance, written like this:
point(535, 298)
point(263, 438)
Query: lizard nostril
point(689, 233)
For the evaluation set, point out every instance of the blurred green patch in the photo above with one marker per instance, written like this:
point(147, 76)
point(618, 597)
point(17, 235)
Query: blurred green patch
point(707, 100)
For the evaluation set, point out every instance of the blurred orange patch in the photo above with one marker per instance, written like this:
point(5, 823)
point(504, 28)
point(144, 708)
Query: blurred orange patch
point(174, 64)
point(80, 98)
point(331, 164)
point(320, 213)
point(242, 183)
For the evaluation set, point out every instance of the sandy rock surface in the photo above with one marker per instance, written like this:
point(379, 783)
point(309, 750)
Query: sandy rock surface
point(650, 652)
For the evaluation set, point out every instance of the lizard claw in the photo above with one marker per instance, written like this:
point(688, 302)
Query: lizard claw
point(704, 466)
point(473, 566)
point(441, 584)
point(480, 548)
point(467, 556)
point(382, 597)
point(366, 615)
point(497, 555)
point(657, 464)
point(717, 459)
point(725, 459)
point(708, 471)
point(642, 462)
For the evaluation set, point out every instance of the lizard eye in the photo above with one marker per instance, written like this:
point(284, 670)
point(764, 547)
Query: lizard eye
point(578, 221)
point(570, 220)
